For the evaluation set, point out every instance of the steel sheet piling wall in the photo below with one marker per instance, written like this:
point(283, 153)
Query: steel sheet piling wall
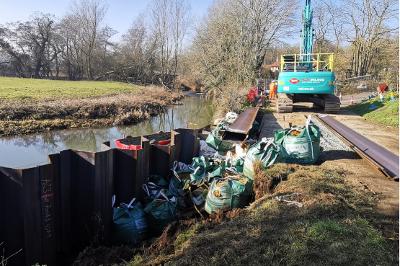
point(11, 214)
point(103, 187)
point(130, 170)
point(53, 211)
point(187, 144)
point(161, 156)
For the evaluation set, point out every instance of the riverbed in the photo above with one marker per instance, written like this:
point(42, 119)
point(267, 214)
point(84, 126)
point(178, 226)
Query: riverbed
point(32, 150)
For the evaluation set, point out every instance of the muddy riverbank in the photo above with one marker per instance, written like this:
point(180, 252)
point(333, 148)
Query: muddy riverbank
point(27, 116)
point(33, 149)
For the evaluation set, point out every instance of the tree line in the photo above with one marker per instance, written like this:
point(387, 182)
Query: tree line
point(238, 36)
point(79, 45)
point(230, 46)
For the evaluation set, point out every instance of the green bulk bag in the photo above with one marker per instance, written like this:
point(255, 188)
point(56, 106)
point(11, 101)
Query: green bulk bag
point(215, 141)
point(228, 193)
point(180, 179)
point(265, 151)
point(179, 189)
point(216, 171)
point(155, 186)
point(237, 164)
point(177, 186)
point(129, 223)
point(161, 212)
point(299, 144)
point(242, 188)
point(201, 166)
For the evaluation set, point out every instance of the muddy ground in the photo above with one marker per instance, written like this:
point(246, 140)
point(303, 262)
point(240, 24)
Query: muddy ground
point(28, 116)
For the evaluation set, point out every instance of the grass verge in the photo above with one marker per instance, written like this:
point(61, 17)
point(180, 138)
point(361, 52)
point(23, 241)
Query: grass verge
point(70, 107)
point(334, 226)
point(383, 113)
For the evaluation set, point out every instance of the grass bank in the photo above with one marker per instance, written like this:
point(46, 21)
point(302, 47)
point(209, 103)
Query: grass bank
point(44, 89)
point(31, 105)
point(316, 216)
point(384, 113)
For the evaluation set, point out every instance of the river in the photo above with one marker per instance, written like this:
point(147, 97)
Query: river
point(32, 150)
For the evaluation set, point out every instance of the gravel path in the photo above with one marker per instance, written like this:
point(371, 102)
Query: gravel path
point(329, 141)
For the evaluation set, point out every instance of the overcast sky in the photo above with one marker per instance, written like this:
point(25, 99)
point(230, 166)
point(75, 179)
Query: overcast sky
point(120, 13)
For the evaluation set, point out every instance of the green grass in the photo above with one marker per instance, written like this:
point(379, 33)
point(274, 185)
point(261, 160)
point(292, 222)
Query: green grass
point(336, 225)
point(332, 228)
point(386, 113)
point(351, 241)
point(39, 89)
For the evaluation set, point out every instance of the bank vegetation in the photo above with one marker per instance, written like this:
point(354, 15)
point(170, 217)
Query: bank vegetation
point(36, 106)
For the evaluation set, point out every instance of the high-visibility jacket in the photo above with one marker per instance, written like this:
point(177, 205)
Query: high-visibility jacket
point(272, 90)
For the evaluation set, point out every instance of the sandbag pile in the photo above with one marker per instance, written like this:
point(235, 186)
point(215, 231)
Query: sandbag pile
point(219, 179)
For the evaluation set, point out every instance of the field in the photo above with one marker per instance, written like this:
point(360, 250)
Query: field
point(32, 105)
point(21, 88)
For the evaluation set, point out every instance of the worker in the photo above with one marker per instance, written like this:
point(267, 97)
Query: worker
point(273, 87)
point(251, 95)
point(382, 87)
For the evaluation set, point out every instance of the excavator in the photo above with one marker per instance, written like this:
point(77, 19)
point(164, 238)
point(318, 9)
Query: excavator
point(308, 76)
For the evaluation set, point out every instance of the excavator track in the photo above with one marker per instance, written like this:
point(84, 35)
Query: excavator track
point(284, 104)
point(331, 104)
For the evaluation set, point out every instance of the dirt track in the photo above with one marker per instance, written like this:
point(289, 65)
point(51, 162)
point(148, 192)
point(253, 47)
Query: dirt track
point(359, 172)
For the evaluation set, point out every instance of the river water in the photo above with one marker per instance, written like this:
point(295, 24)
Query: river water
point(31, 150)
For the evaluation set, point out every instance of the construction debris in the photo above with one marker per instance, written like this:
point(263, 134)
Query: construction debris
point(221, 178)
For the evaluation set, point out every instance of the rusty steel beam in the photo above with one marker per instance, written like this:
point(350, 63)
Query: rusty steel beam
point(244, 122)
point(386, 161)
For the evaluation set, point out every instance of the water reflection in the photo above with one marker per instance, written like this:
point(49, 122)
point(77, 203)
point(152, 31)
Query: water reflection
point(31, 150)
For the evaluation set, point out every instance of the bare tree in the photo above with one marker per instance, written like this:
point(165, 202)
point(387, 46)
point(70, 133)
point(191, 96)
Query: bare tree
point(18, 61)
point(369, 24)
point(335, 12)
point(230, 45)
point(71, 45)
point(323, 26)
point(30, 40)
point(89, 14)
point(169, 24)
point(133, 51)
